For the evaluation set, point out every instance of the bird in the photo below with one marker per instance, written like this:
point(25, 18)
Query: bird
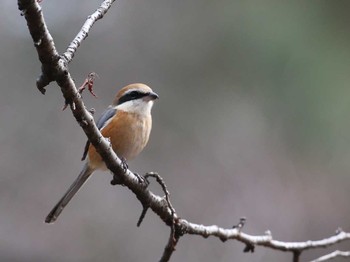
point(127, 123)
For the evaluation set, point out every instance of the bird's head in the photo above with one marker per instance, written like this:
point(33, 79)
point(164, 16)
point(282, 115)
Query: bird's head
point(135, 98)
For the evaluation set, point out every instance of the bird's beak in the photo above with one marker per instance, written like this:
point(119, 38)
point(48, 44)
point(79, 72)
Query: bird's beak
point(152, 96)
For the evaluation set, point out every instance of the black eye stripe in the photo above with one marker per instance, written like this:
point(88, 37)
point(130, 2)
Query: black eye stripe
point(131, 96)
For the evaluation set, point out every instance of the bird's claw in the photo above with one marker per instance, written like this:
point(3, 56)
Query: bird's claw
point(117, 181)
point(125, 165)
point(142, 180)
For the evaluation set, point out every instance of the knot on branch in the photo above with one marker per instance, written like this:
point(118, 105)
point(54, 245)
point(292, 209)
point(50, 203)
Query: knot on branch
point(240, 224)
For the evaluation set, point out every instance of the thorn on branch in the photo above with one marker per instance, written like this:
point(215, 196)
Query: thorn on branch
point(240, 224)
point(249, 248)
point(339, 230)
point(142, 216)
point(268, 233)
point(223, 239)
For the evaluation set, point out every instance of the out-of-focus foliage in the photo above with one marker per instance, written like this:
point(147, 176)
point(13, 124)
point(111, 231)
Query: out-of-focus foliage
point(252, 121)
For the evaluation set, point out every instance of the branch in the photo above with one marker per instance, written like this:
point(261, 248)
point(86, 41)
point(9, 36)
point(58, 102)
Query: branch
point(174, 235)
point(332, 255)
point(54, 68)
point(83, 33)
point(43, 42)
point(263, 240)
point(170, 246)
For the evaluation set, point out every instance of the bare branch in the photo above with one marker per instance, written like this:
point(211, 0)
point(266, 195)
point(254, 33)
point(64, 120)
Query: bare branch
point(43, 42)
point(296, 256)
point(174, 236)
point(332, 255)
point(160, 180)
point(263, 240)
point(54, 68)
point(84, 31)
point(170, 246)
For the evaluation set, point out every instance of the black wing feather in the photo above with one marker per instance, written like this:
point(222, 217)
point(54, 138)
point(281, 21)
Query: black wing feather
point(106, 115)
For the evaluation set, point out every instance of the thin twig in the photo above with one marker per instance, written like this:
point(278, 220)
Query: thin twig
point(173, 237)
point(296, 256)
point(332, 255)
point(84, 31)
point(263, 240)
point(143, 214)
point(160, 180)
point(170, 246)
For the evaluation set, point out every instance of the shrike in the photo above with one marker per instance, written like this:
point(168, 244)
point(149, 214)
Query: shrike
point(127, 123)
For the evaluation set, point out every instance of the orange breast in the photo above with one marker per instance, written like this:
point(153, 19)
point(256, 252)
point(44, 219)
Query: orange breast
point(128, 134)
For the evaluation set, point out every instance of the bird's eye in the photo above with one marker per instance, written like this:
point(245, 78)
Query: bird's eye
point(134, 94)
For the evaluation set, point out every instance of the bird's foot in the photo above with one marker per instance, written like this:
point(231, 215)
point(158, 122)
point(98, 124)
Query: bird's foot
point(117, 181)
point(124, 164)
point(142, 180)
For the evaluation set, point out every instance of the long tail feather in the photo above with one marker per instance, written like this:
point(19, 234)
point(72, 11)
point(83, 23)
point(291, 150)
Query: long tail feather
point(73, 189)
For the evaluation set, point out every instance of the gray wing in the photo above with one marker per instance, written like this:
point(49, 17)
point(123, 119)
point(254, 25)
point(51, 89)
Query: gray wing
point(101, 122)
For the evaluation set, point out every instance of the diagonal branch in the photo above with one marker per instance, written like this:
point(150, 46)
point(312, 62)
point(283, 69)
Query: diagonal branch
point(83, 33)
point(170, 246)
point(54, 68)
point(43, 42)
point(332, 255)
point(174, 235)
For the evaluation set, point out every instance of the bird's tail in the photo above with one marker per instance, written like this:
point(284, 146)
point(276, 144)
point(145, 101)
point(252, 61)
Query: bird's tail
point(73, 189)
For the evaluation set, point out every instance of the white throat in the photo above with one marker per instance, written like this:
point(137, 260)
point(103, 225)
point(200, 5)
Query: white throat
point(138, 106)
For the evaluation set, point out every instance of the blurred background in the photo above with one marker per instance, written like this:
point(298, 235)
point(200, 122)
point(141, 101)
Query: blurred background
point(253, 121)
